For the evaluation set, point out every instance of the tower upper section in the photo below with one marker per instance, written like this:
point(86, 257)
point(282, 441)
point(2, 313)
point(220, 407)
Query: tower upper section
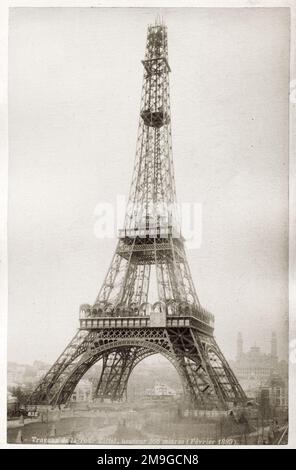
point(156, 67)
point(152, 198)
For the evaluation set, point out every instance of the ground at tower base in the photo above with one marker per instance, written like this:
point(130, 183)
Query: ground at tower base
point(154, 410)
point(158, 421)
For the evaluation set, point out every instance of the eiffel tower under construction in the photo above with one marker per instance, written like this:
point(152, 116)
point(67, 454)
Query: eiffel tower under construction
point(122, 328)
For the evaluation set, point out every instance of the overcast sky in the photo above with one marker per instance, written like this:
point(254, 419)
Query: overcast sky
point(75, 77)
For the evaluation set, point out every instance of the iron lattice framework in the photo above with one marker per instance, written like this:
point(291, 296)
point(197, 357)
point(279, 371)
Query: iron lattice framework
point(121, 328)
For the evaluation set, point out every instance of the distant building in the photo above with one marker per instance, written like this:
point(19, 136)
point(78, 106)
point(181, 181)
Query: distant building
point(278, 391)
point(24, 374)
point(254, 369)
point(160, 390)
point(83, 391)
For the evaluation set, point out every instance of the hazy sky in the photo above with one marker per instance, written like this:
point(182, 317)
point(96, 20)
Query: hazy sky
point(75, 77)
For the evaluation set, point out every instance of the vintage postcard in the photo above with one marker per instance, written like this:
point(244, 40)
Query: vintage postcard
point(148, 226)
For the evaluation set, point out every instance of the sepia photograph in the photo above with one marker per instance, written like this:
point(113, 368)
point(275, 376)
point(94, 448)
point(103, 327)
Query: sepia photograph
point(148, 226)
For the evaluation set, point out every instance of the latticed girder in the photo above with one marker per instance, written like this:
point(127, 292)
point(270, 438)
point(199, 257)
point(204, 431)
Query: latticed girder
point(112, 379)
point(116, 369)
point(206, 376)
point(127, 281)
point(152, 195)
point(44, 389)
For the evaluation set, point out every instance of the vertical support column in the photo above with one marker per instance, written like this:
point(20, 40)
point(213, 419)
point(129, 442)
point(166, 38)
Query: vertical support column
point(116, 370)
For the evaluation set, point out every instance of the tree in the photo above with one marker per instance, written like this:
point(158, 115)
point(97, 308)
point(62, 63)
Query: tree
point(21, 393)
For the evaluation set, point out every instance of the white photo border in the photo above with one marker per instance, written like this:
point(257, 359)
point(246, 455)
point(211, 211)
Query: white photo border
point(4, 15)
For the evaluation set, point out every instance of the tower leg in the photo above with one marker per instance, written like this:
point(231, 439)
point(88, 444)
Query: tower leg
point(50, 382)
point(116, 369)
point(113, 368)
point(197, 385)
point(207, 377)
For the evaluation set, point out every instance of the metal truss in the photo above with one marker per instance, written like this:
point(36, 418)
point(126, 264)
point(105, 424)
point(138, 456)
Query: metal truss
point(205, 374)
point(151, 237)
point(117, 367)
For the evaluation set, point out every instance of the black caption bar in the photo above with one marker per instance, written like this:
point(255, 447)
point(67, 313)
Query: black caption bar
point(141, 458)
